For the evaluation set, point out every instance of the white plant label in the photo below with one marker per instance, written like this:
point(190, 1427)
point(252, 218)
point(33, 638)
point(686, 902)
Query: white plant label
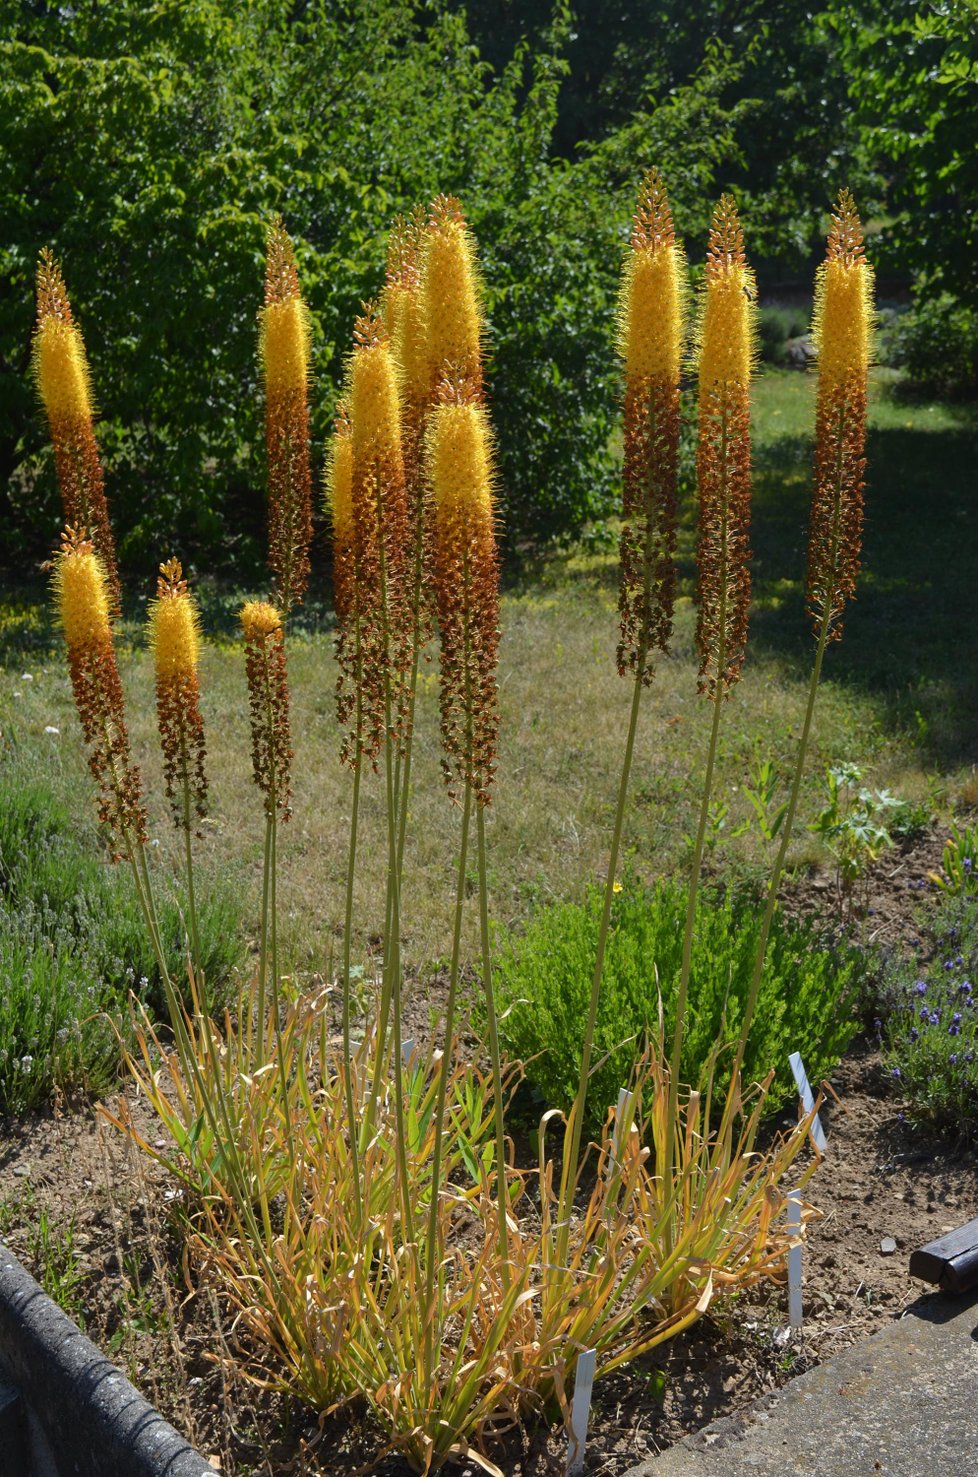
point(807, 1100)
point(580, 1411)
point(794, 1260)
point(623, 1100)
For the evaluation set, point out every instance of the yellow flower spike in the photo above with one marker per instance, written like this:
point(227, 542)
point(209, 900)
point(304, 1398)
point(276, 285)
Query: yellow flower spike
point(727, 351)
point(60, 372)
point(374, 407)
point(84, 599)
point(466, 581)
point(727, 333)
point(842, 324)
point(459, 458)
point(269, 705)
point(843, 332)
point(339, 481)
point(82, 593)
point(453, 322)
point(174, 638)
point(651, 328)
point(403, 304)
point(284, 343)
point(653, 297)
point(285, 338)
point(174, 626)
point(259, 619)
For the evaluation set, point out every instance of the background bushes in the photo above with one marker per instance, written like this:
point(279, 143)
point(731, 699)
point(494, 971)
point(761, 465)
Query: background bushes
point(148, 144)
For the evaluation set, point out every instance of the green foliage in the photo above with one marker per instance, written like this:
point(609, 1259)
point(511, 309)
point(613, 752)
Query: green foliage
point(913, 73)
point(936, 343)
point(148, 143)
point(544, 977)
point(929, 1027)
point(775, 327)
point(855, 823)
point(72, 944)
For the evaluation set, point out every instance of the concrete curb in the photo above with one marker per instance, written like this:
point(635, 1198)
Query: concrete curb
point(900, 1403)
point(83, 1417)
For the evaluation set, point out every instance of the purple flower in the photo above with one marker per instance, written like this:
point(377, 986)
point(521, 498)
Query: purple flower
point(924, 1013)
point(935, 1017)
point(895, 1072)
point(954, 1029)
point(964, 988)
point(920, 987)
point(953, 1059)
point(914, 1034)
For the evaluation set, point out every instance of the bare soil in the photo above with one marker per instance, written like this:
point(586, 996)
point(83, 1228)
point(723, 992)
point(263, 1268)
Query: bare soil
point(90, 1220)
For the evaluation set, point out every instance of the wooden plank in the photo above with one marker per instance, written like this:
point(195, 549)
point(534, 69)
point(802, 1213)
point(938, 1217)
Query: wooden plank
point(951, 1261)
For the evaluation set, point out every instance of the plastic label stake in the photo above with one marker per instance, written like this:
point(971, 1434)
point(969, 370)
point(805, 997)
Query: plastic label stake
point(580, 1411)
point(623, 1098)
point(807, 1101)
point(794, 1260)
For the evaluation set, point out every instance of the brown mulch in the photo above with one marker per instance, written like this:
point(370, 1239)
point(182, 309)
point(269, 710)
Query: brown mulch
point(882, 1177)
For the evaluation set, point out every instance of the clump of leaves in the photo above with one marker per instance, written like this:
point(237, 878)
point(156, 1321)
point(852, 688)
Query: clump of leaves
point(806, 1003)
point(856, 825)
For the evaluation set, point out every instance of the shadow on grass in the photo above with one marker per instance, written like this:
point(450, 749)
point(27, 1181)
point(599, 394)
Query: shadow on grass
point(910, 637)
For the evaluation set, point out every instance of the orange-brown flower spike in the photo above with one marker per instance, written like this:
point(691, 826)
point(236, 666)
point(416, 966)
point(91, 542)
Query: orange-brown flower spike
point(84, 601)
point(843, 332)
point(346, 590)
point(466, 587)
point(268, 700)
point(452, 296)
point(381, 532)
point(727, 351)
point(174, 639)
point(61, 375)
point(285, 347)
point(651, 326)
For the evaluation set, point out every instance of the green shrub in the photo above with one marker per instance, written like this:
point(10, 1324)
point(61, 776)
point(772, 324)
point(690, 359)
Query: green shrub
point(929, 1025)
point(73, 943)
point(936, 343)
point(56, 1031)
point(806, 1000)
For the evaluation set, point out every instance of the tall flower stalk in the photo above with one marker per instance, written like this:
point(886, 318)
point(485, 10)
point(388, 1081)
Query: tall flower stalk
point(347, 589)
point(403, 304)
point(174, 638)
point(284, 353)
point(380, 540)
point(727, 349)
point(843, 334)
point(651, 326)
point(63, 381)
point(271, 762)
point(466, 573)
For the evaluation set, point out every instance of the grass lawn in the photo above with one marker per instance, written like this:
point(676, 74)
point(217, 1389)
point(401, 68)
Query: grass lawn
point(899, 699)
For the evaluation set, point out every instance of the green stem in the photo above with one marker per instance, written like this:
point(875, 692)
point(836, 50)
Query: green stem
point(575, 1122)
point(787, 827)
point(263, 940)
point(196, 952)
point(446, 1061)
point(347, 949)
point(502, 1187)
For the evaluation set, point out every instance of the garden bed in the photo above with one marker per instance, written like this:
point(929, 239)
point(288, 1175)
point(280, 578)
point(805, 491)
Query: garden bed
point(89, 1218)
